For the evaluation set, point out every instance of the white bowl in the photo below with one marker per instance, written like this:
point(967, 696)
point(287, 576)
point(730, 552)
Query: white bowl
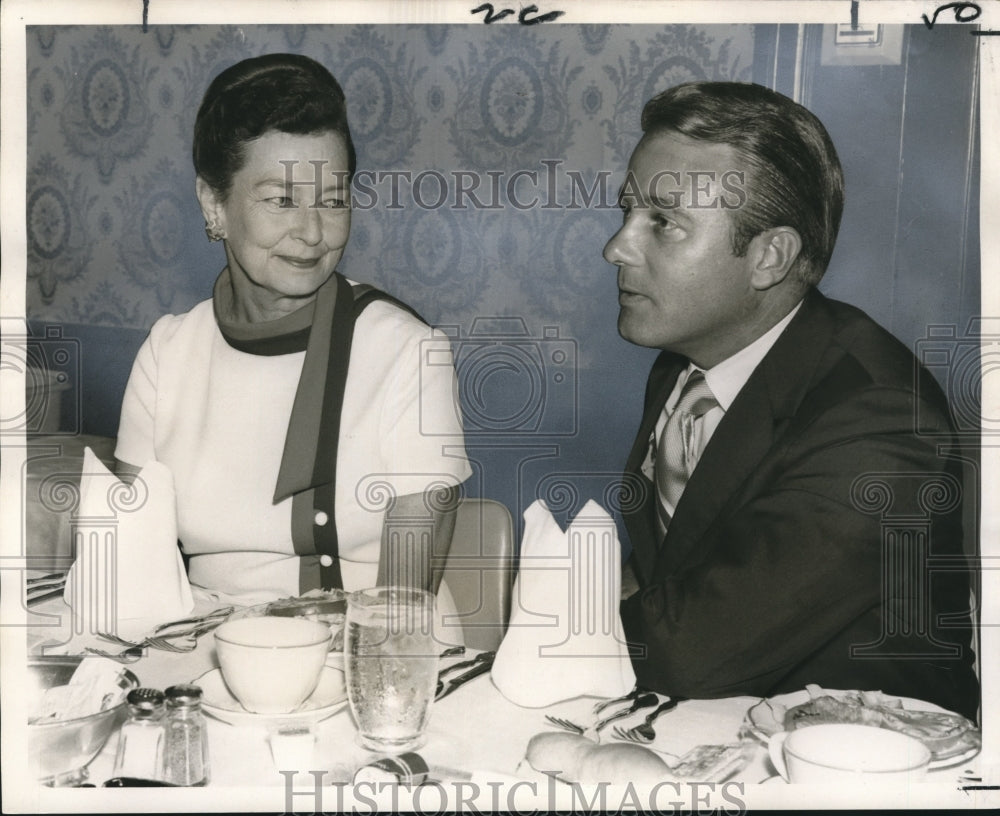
point(272, 665)
point(846, 752)
point(323, 606)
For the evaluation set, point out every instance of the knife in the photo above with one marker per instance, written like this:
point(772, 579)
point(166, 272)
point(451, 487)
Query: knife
point(484, 664)
point(52, 577)
point(137, 782)
point(48, 583)
point(41, 591)
point(34, 600)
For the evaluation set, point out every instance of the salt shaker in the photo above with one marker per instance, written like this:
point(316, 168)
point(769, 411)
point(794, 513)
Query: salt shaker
point(140, 745)
point(186, 748)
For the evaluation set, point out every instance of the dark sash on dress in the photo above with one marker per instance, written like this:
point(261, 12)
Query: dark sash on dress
point(324, 329)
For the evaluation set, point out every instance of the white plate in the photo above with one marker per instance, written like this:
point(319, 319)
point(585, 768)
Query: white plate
point(329, 697)
point(957, 759)
point(760, 722)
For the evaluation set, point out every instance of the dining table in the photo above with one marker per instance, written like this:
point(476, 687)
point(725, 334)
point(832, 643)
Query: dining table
point(475, 749)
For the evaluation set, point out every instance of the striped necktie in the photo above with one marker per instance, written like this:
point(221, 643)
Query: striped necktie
point(675, 454)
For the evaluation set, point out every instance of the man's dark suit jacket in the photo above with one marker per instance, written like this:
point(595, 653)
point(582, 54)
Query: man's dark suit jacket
point(772, 569)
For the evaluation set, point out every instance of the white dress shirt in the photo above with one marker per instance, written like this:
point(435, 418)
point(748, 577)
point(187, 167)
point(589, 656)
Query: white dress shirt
point(726, 379)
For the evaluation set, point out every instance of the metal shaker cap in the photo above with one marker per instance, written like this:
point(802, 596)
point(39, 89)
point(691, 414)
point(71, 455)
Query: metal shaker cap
point(145, 701)
point(184, 694)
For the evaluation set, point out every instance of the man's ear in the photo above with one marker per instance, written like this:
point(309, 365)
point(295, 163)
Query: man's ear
point(211, 206)
point(773, 254)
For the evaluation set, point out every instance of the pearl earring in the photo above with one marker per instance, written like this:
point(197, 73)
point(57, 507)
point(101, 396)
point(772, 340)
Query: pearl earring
point(214, 231)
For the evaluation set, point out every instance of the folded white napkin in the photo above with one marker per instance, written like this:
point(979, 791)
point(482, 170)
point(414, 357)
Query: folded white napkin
point(565, 635)
point(128, 574)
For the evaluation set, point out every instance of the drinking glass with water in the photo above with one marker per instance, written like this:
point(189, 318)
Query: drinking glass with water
point(391, 664)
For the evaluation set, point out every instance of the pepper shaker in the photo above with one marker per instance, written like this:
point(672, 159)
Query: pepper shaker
point(186, 746)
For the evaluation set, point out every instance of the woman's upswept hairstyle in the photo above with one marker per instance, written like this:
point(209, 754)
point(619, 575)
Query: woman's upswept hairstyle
point(289, 93)
point(794, 177)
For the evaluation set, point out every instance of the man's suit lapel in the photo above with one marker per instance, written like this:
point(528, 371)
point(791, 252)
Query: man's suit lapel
point(750, 427)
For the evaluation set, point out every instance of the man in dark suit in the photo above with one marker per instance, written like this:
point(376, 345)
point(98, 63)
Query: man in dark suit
point(794, 520)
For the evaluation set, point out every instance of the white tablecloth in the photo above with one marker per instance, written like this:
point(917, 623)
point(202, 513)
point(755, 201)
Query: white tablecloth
point(474, 731)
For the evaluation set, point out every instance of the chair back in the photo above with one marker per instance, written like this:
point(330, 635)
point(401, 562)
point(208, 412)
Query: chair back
point(480, 570)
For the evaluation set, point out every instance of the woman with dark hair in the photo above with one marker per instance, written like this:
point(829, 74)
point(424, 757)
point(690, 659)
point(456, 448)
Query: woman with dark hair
point(305, 429)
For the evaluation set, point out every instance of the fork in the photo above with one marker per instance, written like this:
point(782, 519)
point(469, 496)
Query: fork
point(181, 642)
point(215, 618)
point(129, 655)
point(642, 701)
point(163, 643)
point(162, 638)
point(134, 651)
point(644, 733)
point(188, 640)
point(626, 698)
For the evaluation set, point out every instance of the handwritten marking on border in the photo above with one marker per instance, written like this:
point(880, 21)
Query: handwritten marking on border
point(493, 16)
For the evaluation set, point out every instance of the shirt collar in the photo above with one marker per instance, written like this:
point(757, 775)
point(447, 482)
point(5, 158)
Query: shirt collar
point(728, 377)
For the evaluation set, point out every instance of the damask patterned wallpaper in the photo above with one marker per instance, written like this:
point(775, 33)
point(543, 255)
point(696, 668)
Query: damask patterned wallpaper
point(115, 237)
point(550, 393)
point(115, 234)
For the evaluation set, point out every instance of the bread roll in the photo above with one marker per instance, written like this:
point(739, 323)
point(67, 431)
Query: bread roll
point(575, 758)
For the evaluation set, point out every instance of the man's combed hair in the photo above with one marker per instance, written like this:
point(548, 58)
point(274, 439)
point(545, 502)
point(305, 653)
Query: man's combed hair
point(794, 175)
point(288, 93)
